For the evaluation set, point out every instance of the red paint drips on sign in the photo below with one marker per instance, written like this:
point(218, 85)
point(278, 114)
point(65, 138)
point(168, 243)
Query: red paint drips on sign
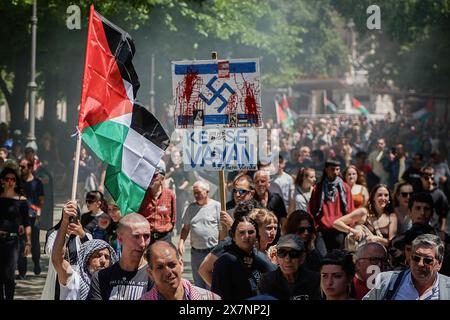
point(190, 80)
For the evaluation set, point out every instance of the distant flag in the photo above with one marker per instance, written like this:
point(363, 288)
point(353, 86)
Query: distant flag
point(120, 131)
point(281, 116)
point(330, 106)
point(425, 113)
point(358, 106)
point(289, 123)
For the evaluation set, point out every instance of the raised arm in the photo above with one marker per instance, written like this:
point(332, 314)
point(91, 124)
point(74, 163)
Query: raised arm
point(61, 265)
point(348, 221)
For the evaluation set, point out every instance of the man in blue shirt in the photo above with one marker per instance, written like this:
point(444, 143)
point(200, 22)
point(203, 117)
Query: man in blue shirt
point(421, 281)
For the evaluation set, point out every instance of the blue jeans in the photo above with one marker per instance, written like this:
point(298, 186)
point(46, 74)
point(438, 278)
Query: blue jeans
point(197, 257)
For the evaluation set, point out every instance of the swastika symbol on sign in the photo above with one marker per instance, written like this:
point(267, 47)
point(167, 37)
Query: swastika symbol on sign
point(217, 94)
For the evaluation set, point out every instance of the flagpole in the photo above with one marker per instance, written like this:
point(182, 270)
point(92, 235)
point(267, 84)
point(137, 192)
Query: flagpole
point(78, 147)
point(223, 196)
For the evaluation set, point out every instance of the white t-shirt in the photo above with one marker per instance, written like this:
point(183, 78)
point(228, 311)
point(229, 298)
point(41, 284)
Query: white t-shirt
point(204, 222)
point(287, 186)
point(71, 291)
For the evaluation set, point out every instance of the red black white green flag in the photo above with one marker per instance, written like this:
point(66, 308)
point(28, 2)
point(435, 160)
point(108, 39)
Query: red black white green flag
point(120, 131)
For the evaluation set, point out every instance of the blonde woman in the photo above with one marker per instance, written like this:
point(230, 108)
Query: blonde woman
point(378, 216)
point(267, 227)
point(355, 180)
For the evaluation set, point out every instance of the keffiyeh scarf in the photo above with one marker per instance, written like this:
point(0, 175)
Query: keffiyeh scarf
point(86, 250)
point(328, 193)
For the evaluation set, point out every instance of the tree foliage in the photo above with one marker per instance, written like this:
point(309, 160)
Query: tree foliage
point(412, 47)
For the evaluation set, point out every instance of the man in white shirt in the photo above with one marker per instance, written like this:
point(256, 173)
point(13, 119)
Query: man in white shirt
point(375, 161)
point(202, 219)
point(285, 181)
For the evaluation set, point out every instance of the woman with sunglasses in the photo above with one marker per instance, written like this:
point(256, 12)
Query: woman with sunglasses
point(336, 275)
point(97, 207)
point(356, 181)
point(292, 280)
point(237, 271)
point(13, 221)
point(402, 194)
point(300, 223)
point(304, 182)
point(377, 216)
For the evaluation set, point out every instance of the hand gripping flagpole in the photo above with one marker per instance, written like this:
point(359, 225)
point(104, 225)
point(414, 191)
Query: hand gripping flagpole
point(78, 148)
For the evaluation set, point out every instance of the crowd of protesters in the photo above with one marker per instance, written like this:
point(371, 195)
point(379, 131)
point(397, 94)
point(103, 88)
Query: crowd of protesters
point(352, 200)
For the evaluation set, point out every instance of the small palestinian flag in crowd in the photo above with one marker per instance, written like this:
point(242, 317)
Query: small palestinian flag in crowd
point(358, 106)
point(120, 131)
point(328, 104)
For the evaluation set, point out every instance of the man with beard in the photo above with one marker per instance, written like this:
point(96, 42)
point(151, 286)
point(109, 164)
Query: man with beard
point(422, 281)
point(331, 198)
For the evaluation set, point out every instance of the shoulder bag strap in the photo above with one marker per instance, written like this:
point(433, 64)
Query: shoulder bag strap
point(392, 290)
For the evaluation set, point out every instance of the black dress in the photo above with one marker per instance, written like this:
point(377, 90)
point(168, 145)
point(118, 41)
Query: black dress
point(13, 213)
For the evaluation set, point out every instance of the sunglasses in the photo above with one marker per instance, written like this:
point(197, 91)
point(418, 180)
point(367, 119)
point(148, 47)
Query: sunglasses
point(303, 229)
point(293, 254)
point(241, 192)
point(406, 194)
point(426, 260)
point(426, 177)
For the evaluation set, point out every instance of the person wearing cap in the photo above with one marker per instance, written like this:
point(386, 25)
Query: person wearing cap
point(291, 280)
point(331, 198)
point(159, 206)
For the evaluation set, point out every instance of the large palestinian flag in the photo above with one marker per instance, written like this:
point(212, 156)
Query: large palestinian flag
point(120, 131)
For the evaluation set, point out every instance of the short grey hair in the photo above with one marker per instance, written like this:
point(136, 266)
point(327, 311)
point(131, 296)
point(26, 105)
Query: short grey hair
point(201, 184)
point(263, 173)
point(360, 252)
point(430, 240)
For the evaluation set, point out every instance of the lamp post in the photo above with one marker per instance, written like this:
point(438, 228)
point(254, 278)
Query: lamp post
point(32, 84)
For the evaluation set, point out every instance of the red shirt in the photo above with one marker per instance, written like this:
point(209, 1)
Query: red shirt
point(160, 212)
point(360, 288)
point(330, 210)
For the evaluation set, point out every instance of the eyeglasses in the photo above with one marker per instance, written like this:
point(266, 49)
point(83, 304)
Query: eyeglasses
point(406, 194)
point(8, 179)
point(293, 254)
point(303, 229)
point(241, 192)
point(426, 260)
point(375, 260)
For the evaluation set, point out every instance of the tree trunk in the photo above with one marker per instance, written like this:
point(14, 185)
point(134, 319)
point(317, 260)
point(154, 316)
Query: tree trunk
point(19, 93)
point(50, 98)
